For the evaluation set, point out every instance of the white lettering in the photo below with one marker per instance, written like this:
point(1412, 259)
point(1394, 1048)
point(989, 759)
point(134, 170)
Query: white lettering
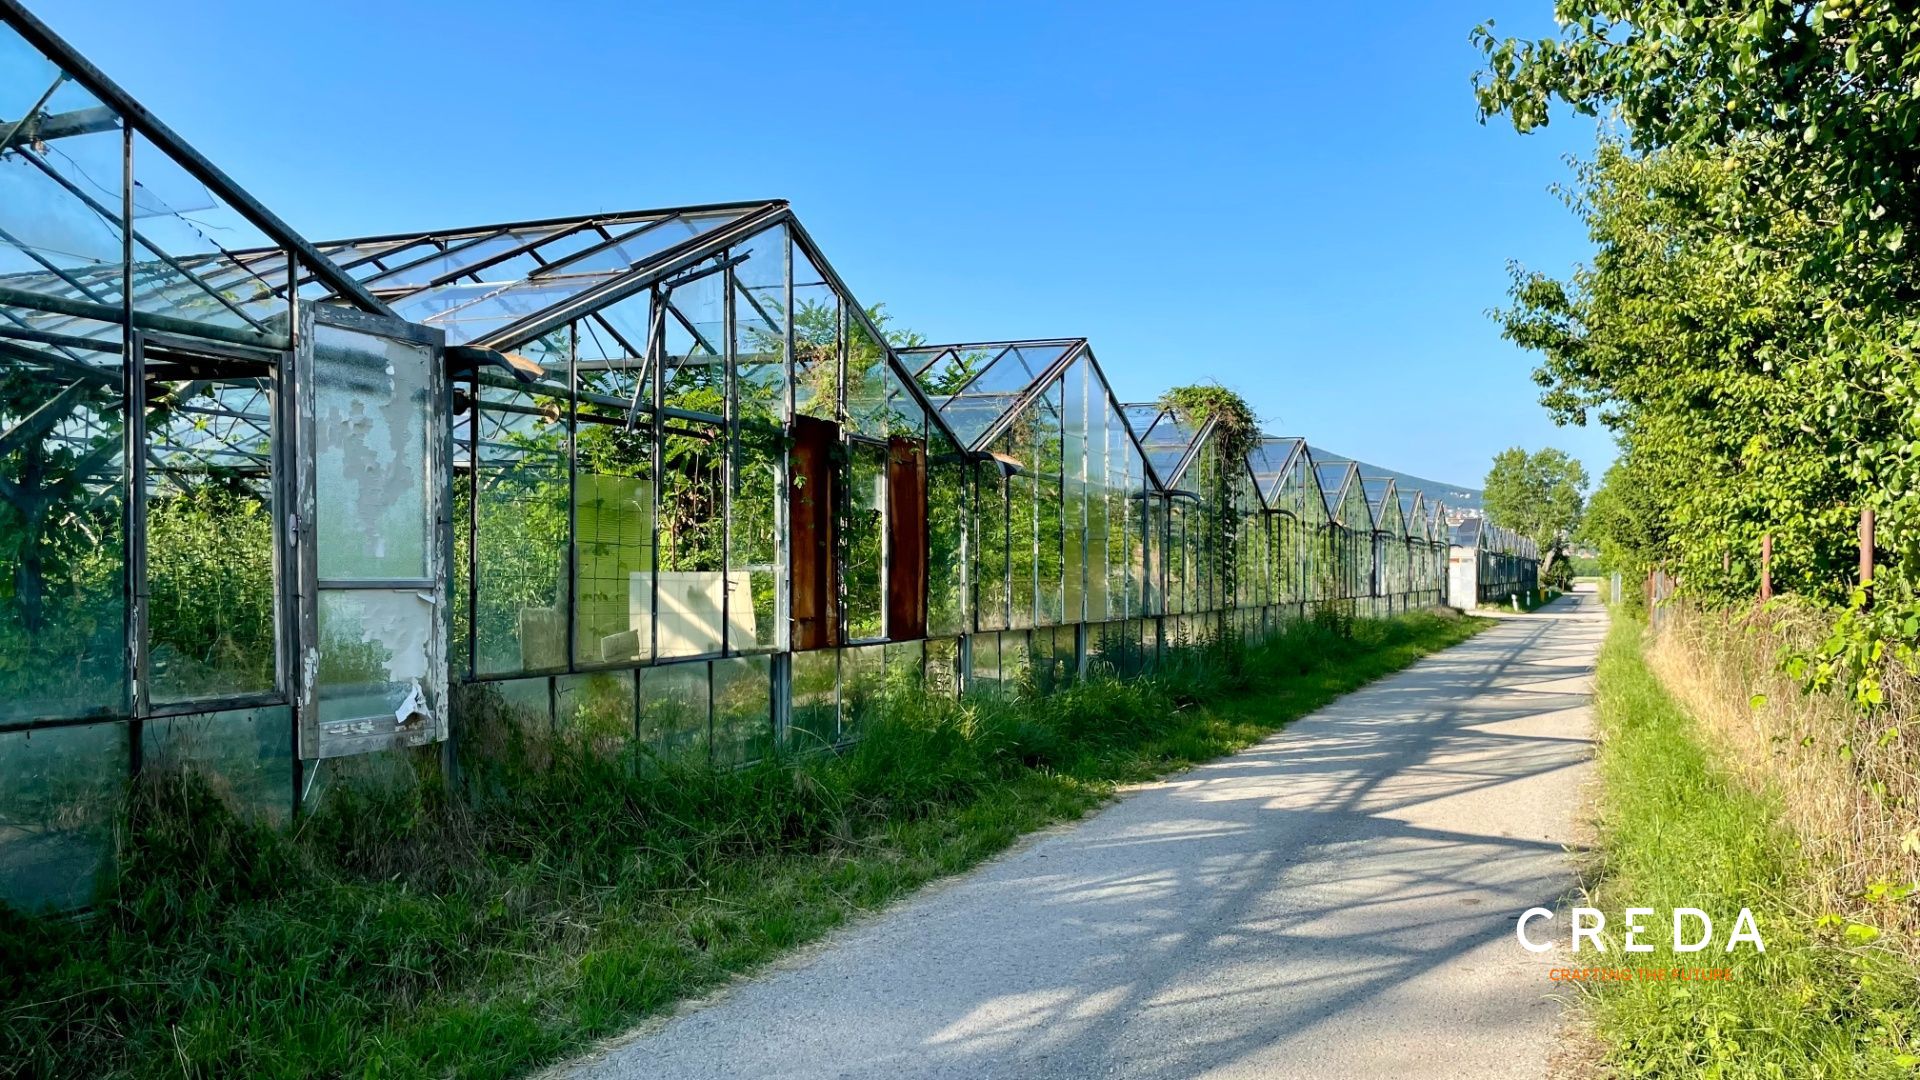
point(1680, 936)
point(1520, 929)
point(1592, 933)
point(1751, 933)
point(1634, 929)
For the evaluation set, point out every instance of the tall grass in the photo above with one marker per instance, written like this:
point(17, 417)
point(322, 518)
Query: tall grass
point(1847, 778)
point(1678, 829)
point(568, 892)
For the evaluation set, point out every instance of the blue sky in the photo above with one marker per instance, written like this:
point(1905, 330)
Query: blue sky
point(1293, 200)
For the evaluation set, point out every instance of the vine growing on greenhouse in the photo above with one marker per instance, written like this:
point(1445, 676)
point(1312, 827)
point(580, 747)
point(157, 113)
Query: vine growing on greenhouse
point(1236, 433)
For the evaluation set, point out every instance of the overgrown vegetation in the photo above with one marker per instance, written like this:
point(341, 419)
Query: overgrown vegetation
point(1844, 777)
point(403, 933)
point(1678, 830)
point(1748, 324)
point(1219, 473)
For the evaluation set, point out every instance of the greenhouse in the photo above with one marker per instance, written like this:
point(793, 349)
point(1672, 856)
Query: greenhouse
point(1489, 564)
point(289, 511)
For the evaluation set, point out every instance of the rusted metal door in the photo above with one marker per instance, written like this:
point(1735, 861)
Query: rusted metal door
point(906, 539)
point(811, 492)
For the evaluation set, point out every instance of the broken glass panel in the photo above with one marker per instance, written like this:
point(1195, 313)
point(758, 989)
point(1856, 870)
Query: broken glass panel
point(371, 407)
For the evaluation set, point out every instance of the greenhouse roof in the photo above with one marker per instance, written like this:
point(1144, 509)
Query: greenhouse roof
point(978, 387)
point(1169, 444)
point(74, 260)
point(1467, 533)
point(1270, 462)
point(1413, 508)
point(1333, 475)
point(1378, 490)
point(502, 284)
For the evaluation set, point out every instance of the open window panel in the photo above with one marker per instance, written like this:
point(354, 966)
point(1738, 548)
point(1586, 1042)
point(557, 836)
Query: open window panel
point(371, 521)
point(210, 545)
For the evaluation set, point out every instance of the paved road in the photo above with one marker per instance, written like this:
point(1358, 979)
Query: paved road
point(1337, 901)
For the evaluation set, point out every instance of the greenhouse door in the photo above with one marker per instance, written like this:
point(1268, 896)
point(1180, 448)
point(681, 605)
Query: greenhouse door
point(816, 619)
point(372, 531)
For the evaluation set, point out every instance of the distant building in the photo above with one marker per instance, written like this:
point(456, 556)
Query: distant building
point(1487, 564)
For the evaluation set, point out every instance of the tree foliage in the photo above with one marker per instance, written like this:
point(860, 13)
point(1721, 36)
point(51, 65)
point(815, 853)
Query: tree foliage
point(1747, 325)
point(1539, 495)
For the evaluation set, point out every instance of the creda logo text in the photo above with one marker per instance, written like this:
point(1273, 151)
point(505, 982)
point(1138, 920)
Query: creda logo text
point(1692, 930)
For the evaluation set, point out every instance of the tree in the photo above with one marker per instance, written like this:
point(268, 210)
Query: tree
point(1624, 521)
point(1538, 495)
point(1747, 325)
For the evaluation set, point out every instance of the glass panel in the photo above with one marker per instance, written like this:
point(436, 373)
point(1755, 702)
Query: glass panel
point(990, 516)
point(60, 794)
point(1015, 660)
point(1049, 508)
point(612, 350)
point(674, 703)
point(906, 670)
point(947, 474)
point(62, 562)
point(505, 722)
point(862, 688)
point(521, 562)
point(1023, 523)
point(595, 711)
point(246, 754)
point(461, 655)
point(1073, 501)
point(613, 540)
point(468, 312)
point(760, 326)
point(60, 198)
point(459, 253)
point(374, 646)
point(984, 674)
point(753, 563)
point(942, 373)
point(694, 367)
point(183, 234)
point(865, 539)
point(942, 667)
point(209, 537)
point(816, 710)
point(693, 590)
point(370, 433)
point(816, 341)
point(878, 403)
point(760, 389)
point(742, 710)
point(1102, 600)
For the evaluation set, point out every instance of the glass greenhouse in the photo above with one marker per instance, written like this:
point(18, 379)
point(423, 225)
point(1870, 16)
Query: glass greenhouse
point(1489, 564)
point(289, 511)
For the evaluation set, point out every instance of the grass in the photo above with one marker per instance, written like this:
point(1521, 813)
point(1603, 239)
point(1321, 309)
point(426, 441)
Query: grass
point(1844, 776)
point(1677, 829)
point(406, 933)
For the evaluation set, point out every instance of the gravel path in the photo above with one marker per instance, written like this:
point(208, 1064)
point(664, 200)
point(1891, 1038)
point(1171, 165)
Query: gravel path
point(1336, 901)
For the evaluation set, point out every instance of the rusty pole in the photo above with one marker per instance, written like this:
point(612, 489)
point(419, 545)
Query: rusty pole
point(1766, 567)
point(1866, 547)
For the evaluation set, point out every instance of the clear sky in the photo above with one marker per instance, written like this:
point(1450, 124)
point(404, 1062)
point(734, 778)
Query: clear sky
point(1294, 200)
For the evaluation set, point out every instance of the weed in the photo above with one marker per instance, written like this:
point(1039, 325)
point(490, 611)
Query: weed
point(575, 886)
point(1678, 830)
